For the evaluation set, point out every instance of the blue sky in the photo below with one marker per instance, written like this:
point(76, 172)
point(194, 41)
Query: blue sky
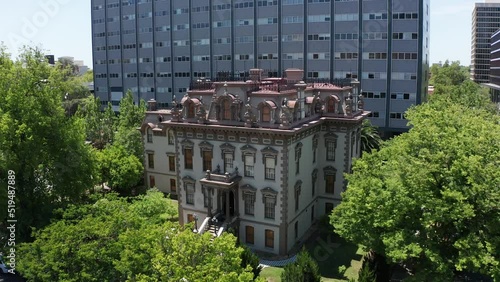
point(63, 28)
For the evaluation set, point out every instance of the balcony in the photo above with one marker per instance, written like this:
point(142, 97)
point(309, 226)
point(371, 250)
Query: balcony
point(218, 179)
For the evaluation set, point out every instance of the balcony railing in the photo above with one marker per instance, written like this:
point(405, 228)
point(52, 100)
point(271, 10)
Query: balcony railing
point(217, 175)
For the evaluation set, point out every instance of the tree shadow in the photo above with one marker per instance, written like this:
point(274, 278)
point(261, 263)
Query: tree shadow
point(331, 252)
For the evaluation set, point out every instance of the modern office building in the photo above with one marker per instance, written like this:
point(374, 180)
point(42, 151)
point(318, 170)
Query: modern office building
point(155, 48)
point(265, 157)
point(494, 82)
point(485, 22)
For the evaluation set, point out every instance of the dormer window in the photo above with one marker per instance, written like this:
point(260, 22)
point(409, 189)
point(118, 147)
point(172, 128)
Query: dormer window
point(150, 135)
point(226, 109)
point(331, 106)
point(190, 110)
point(331, 103)
point(266, 111)
point(266, 114)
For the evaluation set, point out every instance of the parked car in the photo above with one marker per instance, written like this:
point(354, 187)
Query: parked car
point(3, 267)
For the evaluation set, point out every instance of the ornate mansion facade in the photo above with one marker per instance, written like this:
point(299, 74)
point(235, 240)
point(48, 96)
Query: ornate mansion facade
point(265, 157)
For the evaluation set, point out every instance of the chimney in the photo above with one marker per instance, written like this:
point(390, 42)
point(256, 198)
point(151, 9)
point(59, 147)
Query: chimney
point(256, 74)
point(294, 75)
point(152, 105)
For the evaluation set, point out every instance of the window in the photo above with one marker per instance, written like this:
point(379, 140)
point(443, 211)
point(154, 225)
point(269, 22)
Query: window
point(269, 200)
point(269, 156)
point(249, 198)
point(206, 155)
point(331, 106)
point(171, 163)
point(330, 173)
point(248, 156)
point(151, 160)
point(269, 208)
point(266, 114)
point(269, 238)
point(315, 146)
point(226, 109)
point(152, 181)
point(173, 186)
point(270, 168)
point(329, 184)
point(187, 150)
point(249, 162)
point(330, 151)
point(228, 156)
point(331, 146)
point(190, 217)
point(188, 158)
point(249, 238)
point(228, 162)
point(207, 160)
point(190, 110)
point(150, 135)
point(297, 194)
point(170, 137)
point(190, 193)
point(298, 153)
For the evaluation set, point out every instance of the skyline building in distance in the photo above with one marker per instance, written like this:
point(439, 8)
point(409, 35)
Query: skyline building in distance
point(157, 48)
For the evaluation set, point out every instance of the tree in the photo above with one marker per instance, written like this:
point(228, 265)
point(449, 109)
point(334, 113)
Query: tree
point(119, 239)
point(100, 126)
point(248, 258)
point(187, 256)
point(448, 74)
point(304, 269)
point(121, 170)
point(88, 76)
point(131, 115)
point(44, 148)
point(430, 198)
point(110, 240)
point(370, 139)
point(130, 119)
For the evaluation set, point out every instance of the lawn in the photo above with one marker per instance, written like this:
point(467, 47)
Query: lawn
point(330, 252)
point(271, 274)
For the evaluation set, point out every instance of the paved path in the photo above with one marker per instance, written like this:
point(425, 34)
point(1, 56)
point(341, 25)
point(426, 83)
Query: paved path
point(280, 263)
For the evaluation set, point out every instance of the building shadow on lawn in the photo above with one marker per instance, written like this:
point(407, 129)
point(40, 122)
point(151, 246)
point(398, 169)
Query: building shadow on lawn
point(330, 252)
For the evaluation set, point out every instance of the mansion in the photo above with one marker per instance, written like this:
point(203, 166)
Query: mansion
point(265, 157)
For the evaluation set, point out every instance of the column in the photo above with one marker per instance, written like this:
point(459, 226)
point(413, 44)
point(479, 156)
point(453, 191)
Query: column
point(228, 214)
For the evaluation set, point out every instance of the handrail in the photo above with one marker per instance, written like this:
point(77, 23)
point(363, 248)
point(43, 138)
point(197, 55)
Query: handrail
point(203, 225)
point(221, 229)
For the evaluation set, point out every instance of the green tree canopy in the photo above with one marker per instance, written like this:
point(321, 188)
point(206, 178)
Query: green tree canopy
point(370, 138)
point(120, 169)
point(431, 197)
point(119, 239)
point(304, 269)
point(100, 126)
point(448, 74)
point(38, 142)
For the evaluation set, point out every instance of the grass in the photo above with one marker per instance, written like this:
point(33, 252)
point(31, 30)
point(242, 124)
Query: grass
point(271, 274)
point(330, 252)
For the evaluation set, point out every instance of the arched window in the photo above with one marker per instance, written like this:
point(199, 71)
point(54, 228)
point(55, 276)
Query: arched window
point(226, 109)
point(266, 114)
point(190, 110)
point(331, 105)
